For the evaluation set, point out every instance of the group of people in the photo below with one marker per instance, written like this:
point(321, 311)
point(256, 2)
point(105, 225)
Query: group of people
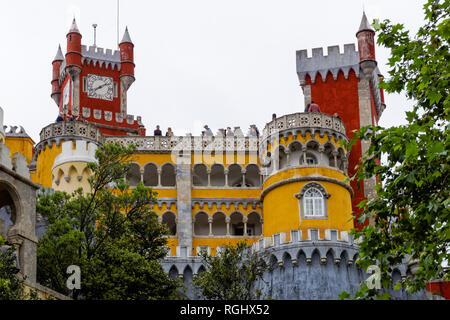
point(158, 132)
point(253, 131)
point(62, 117)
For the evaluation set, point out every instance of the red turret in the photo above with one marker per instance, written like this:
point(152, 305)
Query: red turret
point(366, 46)
point(56, 87)
point(126, 55)
point(73, 55)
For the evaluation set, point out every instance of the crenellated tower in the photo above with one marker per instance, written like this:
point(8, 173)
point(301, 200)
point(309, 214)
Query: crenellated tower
point(346, 83)
point(91, 84)
point(70, 171)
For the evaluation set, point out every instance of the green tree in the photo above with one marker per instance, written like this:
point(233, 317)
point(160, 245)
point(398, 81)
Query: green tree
point(11, 286)
point(110, 232)
point(410, 213)
point(231, 275)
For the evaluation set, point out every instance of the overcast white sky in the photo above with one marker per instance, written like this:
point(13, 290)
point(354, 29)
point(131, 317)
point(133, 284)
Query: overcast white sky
point(221, 63)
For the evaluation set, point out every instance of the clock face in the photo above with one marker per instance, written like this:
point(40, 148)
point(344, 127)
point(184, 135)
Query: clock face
point(100, 87)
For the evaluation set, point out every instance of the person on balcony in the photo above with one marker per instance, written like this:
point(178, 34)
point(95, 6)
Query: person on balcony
point(157, 132)
point(208, 131)
point(169, 132)
point(229, 132)
point(313, 107)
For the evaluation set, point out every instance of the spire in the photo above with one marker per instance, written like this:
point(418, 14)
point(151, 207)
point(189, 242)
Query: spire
point(126, 37)
point(365, 25)
point(59, 56)
point(74, 27)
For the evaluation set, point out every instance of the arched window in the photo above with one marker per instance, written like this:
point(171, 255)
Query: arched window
point(169, 219)
point(200, 175)
point(168, 178)
point(201, 224)
point(134, 174)
point(254, 225)
point(217, 175)
point(313, 201)
point(150, 175)
point(252, 176)
point(235, 175)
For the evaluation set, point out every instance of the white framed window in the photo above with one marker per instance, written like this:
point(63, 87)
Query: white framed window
point(313, 201)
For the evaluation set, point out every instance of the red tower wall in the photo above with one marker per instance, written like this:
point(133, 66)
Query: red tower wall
point(341, 96)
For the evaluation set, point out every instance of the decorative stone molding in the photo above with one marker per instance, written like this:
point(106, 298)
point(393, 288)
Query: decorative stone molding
point(254, 203)
point(97, 114)
point(108, 115)
point(307, 178)
point(86, 112)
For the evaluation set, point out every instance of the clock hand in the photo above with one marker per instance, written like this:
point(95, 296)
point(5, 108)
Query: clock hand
point(100, 86)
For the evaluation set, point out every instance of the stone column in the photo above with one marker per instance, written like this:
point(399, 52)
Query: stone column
point(184, 201)
point(365, 118)
point(208, 172)
point(321, 151)
point(159, 176)
point(210, 220)
point(288, 154)
point(227, 221)
point(335, 153)
point(225, 171)
point(243, 171)
point(245, 219)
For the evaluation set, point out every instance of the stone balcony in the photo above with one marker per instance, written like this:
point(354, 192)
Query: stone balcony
point(162, 144)
point(302, 121)
point(68, 130)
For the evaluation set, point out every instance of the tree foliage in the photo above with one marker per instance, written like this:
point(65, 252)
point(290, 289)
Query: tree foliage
point(410, 213)
point(110, 232)
point(231, 274)
point(11, 286)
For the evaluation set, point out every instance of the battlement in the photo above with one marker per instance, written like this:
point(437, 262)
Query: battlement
point(18, 163)
point(83, 152)
point(334, 62)
point(15, 131)
point(100, 56)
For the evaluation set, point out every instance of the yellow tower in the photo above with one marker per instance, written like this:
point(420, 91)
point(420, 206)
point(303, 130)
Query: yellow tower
point(305, 172)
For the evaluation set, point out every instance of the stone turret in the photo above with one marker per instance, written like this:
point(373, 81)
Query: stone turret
point(366, 46)
point(56, 86)
point(69, 171)
point(127, 68)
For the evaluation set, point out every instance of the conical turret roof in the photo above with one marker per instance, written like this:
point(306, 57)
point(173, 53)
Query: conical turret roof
point(74, 27)
point(126, 37)
point(59, 55)
point(365, 25)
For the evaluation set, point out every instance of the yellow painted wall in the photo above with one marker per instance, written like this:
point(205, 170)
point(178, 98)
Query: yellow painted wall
point(22, 145)
point(44, 164)
point(282, 208)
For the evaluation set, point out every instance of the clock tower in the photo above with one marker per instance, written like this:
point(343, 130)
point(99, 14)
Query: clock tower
point(91, 84)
